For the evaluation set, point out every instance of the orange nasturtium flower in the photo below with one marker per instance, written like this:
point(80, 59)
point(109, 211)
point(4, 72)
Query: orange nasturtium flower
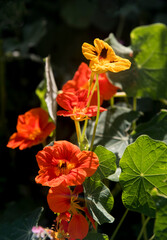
point(65, 164)
point(103, 58)
point(32, 128)
point(75, 105)
point(81, 81)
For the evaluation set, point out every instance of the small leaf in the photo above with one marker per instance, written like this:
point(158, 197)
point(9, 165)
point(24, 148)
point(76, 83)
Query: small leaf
point(107, 163)
point(40, 92)
point(156, 128)
point(144, 166)
point(51, 90)
point(118, 48)
point(160, 227)
point(112, 129)
point(96, 236)
point(99, 201)
point(115, 177)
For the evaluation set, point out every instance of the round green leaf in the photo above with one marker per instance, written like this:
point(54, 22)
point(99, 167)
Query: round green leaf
point(144, 166)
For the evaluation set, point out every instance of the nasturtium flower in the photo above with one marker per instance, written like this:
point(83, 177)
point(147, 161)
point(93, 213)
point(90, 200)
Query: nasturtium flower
point(32, 127)
point(81, 80)
point(65, 164)
point(103, 58)
point(62, 200)
point(75, 105)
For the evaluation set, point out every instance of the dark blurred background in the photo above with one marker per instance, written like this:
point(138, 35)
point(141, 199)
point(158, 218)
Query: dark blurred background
point(30, 31)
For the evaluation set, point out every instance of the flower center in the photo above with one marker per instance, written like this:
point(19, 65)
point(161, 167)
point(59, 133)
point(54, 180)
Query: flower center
point(63, 167)
point(103, 54)
point(34, 134)
point(79, 114)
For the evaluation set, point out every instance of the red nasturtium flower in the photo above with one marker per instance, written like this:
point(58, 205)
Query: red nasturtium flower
point(103, 58)
point(65, 164)
point(81, 81)
point(32, 128)
point(75, 104)
point(62, 199)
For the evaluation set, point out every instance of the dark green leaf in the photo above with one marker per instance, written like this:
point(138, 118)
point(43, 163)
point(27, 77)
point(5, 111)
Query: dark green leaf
point(107, 163)
point(147, 75)
point(21, 228)
point(156, 128)
point(112, 129)
point(99, 201)
point(160, 227)
point(144, 166)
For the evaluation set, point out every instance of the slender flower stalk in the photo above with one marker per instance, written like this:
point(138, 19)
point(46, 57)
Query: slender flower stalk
point(119, 225)
point(143, 228)
point(91, 80)
point(86, 121)
point(98, 112)
point(78, 131)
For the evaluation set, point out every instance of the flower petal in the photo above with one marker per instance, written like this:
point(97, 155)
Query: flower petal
point(59, 199)
point(78, 227)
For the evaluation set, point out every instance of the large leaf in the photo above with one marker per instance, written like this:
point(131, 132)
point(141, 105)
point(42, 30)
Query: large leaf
point(147, 75)
point(99, 201)
point(96, 236)
point(21, 228)
point(112, 129)
point(144, 166)
point(160, 227)
point(107, 163)
point(156, 128)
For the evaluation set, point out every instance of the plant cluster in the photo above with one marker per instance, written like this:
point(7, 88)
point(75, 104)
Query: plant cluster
point(110, 145)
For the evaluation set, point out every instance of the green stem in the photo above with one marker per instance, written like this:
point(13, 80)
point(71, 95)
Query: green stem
point(143, 228)
point(134, 103)
point(78, 131)
point(98, 112)
point(91, 80)
point(94, 87)
point(112, 102)
point(119, 225)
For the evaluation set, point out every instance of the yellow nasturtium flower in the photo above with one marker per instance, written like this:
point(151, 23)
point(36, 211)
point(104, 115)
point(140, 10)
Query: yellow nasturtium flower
point(103, 58)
